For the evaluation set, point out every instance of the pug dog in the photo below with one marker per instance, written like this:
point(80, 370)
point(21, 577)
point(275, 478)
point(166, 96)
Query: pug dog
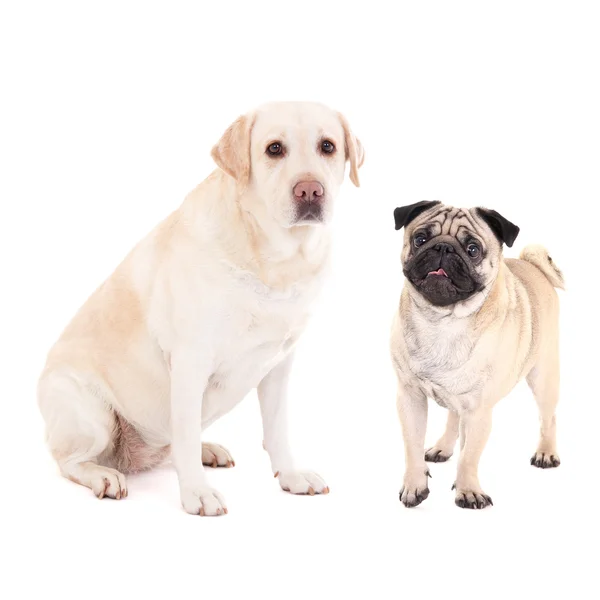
point(470, 325)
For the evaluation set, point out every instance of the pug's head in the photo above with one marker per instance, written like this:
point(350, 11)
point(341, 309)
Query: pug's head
point(450, 254)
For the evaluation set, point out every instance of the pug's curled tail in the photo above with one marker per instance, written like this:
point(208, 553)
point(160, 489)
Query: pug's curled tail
point(538, 256)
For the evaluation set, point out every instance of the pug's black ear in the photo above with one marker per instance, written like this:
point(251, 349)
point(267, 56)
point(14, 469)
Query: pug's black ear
point(403, 215)
point(503, 229)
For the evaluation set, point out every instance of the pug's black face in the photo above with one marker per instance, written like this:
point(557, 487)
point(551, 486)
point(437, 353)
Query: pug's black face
point(443, 269)
point(450, 253)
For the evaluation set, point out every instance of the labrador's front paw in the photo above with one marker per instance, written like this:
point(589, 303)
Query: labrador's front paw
point(302, 482)
point(205, 502)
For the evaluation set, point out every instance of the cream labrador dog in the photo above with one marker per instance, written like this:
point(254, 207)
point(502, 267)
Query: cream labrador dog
point(470, 325)
point(205, 308)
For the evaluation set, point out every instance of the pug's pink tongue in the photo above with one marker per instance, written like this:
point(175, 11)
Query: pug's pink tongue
point(438, 272)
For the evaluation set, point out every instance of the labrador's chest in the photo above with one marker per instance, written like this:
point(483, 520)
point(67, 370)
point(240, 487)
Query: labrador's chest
point(259, 329)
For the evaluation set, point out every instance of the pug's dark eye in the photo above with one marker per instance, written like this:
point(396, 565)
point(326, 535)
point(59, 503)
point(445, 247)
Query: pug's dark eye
point(419, 240)
point(327, 146)
point(473, 250)
point(275, 149)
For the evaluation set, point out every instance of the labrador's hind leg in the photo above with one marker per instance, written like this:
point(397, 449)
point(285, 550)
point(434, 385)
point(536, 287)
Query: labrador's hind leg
point(79, 431)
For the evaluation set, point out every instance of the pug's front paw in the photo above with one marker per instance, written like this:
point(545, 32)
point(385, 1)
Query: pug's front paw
point(415, 488)
point(471, 498)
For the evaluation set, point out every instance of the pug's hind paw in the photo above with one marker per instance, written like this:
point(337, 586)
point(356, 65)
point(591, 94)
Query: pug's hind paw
point(545, 461)
point(436, 455)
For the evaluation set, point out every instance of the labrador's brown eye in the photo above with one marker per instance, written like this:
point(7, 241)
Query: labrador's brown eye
point(275, 149)
point(327, 146)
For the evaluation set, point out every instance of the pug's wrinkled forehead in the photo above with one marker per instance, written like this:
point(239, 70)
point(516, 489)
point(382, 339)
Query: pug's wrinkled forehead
point(437, 219)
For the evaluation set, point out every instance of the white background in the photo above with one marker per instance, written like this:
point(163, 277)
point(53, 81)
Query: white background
point(109, 111)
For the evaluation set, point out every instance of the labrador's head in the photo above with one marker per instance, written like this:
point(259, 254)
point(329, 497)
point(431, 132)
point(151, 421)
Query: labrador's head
point(289, 160)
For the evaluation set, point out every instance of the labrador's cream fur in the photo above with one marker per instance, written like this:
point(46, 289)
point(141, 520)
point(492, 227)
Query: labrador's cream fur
point(207, 307)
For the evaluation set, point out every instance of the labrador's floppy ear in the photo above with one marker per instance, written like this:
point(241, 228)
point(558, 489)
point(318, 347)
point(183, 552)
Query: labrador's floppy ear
point(503, 229)
point(232, 151)
point(354, 151)
point(403, 215)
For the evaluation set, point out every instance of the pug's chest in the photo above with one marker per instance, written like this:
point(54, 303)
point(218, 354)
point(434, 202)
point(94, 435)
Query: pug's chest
point(444, 361)
point(455, 393)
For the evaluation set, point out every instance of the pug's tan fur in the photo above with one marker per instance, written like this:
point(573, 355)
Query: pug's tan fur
point(469, 355)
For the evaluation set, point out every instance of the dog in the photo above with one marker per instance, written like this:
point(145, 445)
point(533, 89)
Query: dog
point(470, 325)
point(207, 307)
